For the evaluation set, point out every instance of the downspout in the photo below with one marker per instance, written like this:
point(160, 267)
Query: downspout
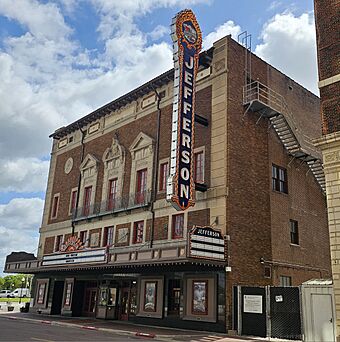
point(79, 179)
point(155, 171)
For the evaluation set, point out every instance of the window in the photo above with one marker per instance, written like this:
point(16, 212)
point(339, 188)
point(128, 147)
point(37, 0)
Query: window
point(138, 232)
point(87, 200)
point(112, 194)
point(279, 179)
point(55, 206)
point(141, 186)
point(58, 243)
point(73, 203)
point(199, 167)
point(163, 175)
point(285, 281)
point(294, 232)
point(177, 226)
point(83, 237)
point(108, 236)
point(95, 238)
point(267, 272)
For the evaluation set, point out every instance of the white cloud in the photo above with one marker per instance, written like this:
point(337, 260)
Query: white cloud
point(23, 175)
point(228, 27)
point(159, 31)
point(289, 44)
point(19, 223)
point(42, 20)
point(22, 213)
point(119, 15)
point(274, 5)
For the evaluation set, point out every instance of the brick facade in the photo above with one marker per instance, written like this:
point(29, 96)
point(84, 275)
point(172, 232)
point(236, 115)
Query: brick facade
point(239, 151)
point(258, 217)
point(49, 245)
point(327, 33)
point(328, 47)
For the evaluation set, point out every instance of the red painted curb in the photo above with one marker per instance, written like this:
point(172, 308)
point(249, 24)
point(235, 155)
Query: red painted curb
point(145, 335)
point(46, 322)
point(88, 327)
point(12, 317)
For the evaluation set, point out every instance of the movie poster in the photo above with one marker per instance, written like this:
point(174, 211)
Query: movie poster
point(41, 293)
point(150, 296)
point(200, 300)
point(68, 294)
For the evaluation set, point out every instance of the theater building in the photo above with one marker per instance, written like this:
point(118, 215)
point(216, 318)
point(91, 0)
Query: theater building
point(111, 246)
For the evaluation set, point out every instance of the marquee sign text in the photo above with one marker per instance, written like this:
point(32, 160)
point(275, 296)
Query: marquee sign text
point(187, 41)
point(207, 243)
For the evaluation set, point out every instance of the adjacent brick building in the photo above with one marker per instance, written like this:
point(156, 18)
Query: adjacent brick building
point(258, 181)
point(327, 14)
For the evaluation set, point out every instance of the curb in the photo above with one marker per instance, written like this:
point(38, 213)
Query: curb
point(140, 334)
point(89, 327)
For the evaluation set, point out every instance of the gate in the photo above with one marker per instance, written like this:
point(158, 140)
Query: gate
point(253, 311)
point(285, 313)
point(267, 312)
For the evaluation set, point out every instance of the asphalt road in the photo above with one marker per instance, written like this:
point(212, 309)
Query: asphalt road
point(16, 330)
point(38, 331)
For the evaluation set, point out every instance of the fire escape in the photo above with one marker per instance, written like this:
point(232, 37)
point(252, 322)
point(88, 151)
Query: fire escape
point(260, 99)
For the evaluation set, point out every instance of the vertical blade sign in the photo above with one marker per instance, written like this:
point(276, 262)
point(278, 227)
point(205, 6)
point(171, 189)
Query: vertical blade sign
point(187, 43)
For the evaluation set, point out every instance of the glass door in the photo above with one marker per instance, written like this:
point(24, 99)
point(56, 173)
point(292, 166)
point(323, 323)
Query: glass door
point(124, 303)
point(174, 297)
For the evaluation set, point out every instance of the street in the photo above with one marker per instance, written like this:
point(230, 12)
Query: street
point(16, 329)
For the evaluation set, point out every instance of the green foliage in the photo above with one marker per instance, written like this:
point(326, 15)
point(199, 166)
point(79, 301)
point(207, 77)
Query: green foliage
point(12, 282)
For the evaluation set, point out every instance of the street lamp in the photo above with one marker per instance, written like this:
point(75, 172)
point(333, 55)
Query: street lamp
point(22, 285)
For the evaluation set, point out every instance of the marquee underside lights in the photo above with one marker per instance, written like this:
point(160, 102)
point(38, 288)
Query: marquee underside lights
point(187, 43)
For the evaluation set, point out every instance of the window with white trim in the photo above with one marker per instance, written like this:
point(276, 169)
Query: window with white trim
point(138, 230)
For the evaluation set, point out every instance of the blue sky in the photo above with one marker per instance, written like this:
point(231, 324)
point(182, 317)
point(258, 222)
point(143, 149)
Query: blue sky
point(61, 59)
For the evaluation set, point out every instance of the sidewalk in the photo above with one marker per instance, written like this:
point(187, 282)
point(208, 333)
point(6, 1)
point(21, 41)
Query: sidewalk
point(126, 328)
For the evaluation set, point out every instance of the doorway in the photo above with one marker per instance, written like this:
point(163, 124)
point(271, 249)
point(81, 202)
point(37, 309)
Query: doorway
point(57, 299)
point(174, 297)
point(322, 317)
point(124, 304)
point(89, 308)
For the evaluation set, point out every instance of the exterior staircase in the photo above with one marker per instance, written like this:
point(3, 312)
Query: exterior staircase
point(269, 104)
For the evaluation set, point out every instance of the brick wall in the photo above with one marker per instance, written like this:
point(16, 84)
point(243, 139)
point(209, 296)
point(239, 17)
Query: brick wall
point(258, 218)
point(63, 183)
point(49, 245)
point(198, 218)
point(248, 202)
point(330, 108)
point(161, 228)
point(304, 203)
point(326, 14)
point(298, 276)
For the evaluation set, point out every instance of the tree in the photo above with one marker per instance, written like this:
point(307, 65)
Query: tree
point(11, 282)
